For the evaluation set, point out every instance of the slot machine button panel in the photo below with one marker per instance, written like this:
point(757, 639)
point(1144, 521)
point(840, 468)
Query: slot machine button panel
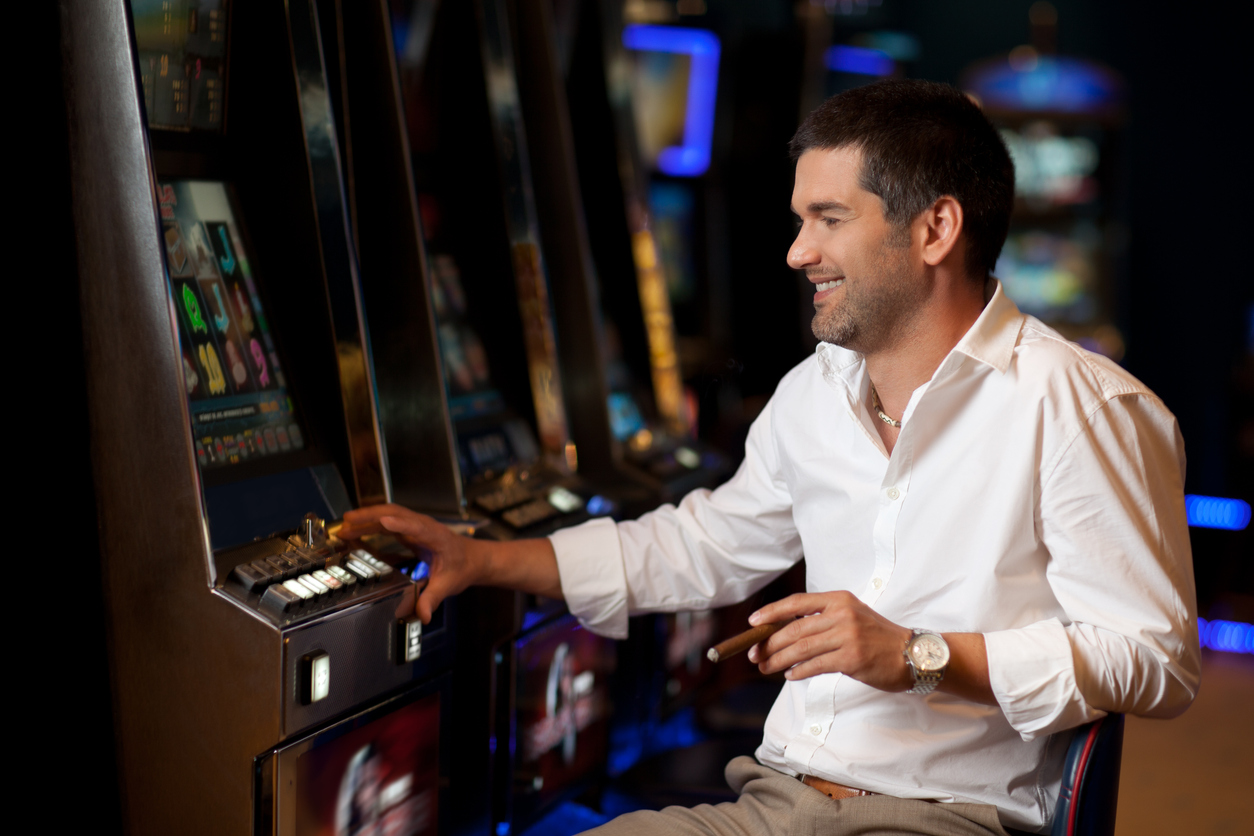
point(278, 599)
point(317, 587)
point(253, 577)
point(298, 588)
point(328, 580)
point(344, 577)
point(361, 569)
point(528, 515)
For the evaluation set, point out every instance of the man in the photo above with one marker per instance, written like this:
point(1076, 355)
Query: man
point(961, 481)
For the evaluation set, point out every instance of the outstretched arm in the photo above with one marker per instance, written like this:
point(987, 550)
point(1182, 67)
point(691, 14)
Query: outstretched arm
point(459, 562)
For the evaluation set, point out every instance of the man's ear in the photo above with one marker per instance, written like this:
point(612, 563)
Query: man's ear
point(941, 225)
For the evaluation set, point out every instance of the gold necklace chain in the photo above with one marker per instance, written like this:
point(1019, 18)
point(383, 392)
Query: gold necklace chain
point(879, 409)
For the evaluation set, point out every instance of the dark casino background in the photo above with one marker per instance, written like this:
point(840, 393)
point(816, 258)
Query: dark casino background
point(520, 264)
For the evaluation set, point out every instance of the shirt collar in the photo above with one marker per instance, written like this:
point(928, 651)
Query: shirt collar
point(990, 340)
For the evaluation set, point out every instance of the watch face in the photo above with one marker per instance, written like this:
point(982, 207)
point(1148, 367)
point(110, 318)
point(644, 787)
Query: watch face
point(929, 653)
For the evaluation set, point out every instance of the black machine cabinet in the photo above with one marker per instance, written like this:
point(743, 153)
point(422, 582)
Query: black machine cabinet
point(232, 407)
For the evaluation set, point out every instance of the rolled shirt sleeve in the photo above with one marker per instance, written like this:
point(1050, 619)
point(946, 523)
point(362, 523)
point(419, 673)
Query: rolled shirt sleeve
point(1113, 520)
point(714, 548)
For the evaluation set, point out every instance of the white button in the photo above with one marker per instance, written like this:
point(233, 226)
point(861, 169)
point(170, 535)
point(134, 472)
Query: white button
point(893, 493)
point(320, 674)
point(816, 730)
point(877, 583)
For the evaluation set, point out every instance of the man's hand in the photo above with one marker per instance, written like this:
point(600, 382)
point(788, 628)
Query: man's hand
point(456, 562)
point(459, 562)
point(838, 634)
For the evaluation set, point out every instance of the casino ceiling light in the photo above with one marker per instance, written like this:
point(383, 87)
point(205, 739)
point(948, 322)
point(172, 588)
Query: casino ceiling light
point(691, 159)
point(1217, 512)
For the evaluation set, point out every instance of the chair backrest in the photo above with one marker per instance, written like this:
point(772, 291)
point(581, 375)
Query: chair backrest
point(1090, 780)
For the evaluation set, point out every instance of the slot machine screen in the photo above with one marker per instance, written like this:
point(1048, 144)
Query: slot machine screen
point(563, 705)
point(381, 778)
point(240, 406)
point(489, 438)
point(182, 60)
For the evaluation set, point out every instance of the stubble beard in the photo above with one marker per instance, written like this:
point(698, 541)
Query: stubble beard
point(875, 307)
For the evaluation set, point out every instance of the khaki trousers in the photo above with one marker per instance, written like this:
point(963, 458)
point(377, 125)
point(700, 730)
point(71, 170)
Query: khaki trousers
point(774, 804)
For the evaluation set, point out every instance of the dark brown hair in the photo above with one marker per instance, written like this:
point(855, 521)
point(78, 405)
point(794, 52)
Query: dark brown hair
point(921, 141)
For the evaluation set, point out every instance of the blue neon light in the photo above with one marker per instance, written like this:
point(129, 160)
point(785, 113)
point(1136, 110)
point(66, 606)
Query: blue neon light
point(1217, 512)
point(502, 828)
point(1053, 83)
point(566, 819)
point(691, 159)
point(858, 60)
point(1228, 636)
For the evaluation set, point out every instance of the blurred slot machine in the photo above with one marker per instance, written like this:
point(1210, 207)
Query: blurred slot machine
point(1061, 118)
point(641, 102)
point(643, 230)
point(268, 676)
point(448, 214)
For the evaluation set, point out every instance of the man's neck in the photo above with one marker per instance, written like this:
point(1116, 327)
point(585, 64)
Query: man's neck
point(898, 369)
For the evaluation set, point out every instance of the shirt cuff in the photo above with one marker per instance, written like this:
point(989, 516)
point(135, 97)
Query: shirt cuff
point(1033, 676)
point(594, 583)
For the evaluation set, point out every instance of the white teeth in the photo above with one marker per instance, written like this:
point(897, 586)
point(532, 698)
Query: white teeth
point(828, 285)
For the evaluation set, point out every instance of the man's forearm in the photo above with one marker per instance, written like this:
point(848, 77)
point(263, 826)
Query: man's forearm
point(967, 676)
point(525, 565)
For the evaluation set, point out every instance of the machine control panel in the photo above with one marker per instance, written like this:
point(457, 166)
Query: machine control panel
point(310, 571)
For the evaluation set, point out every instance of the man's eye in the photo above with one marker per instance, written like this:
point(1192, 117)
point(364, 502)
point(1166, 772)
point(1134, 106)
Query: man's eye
point(830, 222)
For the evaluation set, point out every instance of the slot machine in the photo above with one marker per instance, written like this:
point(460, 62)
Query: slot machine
point(267, 676)
point(474, 367)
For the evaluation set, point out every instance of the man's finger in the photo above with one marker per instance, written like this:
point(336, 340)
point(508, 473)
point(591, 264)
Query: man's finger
point(412, 527)
point(799, 604)
point(363, 521)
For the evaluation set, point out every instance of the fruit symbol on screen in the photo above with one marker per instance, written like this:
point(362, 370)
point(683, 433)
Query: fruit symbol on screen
point(227, 261)
point(236, 361)
point(191, 380)
point(193, 311)
point(259, 361)
point(243, 314)
point(220, 317)
point(209, 359)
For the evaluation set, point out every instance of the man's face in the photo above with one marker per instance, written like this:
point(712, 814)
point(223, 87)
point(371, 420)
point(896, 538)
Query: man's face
point(868, 283)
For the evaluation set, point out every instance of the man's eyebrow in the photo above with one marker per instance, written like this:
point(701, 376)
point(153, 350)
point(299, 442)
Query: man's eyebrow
point(827, 206)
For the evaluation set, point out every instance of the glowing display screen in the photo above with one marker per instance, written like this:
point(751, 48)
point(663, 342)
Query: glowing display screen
point(239, 403)
point(1052, 276)
point(675, 84)
point(381, 778)
point(182, 61)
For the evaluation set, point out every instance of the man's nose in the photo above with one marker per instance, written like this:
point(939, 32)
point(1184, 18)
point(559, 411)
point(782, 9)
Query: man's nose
point(801, 254)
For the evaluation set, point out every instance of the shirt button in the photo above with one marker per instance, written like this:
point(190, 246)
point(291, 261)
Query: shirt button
point(893, 493)
point(877, 583)
point(816, 730)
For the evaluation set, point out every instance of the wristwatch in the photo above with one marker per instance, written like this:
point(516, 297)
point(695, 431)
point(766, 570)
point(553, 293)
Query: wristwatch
point(927, 654)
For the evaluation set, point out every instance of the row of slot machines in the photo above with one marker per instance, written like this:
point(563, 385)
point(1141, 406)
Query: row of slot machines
point(333, 254)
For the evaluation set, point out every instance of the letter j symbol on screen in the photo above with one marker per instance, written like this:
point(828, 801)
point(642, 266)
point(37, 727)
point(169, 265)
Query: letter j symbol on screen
point(227, 261)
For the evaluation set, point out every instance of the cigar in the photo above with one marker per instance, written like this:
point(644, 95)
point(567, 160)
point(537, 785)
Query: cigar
point(746, 640)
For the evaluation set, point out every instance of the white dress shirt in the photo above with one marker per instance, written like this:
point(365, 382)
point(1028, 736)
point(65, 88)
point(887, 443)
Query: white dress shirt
point(1035, 495)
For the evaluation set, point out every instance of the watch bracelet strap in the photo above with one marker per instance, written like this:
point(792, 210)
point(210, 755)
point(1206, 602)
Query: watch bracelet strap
point(925, 682)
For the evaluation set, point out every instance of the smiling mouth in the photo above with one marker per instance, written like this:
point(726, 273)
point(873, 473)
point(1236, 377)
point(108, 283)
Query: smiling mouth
point(822, 286)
